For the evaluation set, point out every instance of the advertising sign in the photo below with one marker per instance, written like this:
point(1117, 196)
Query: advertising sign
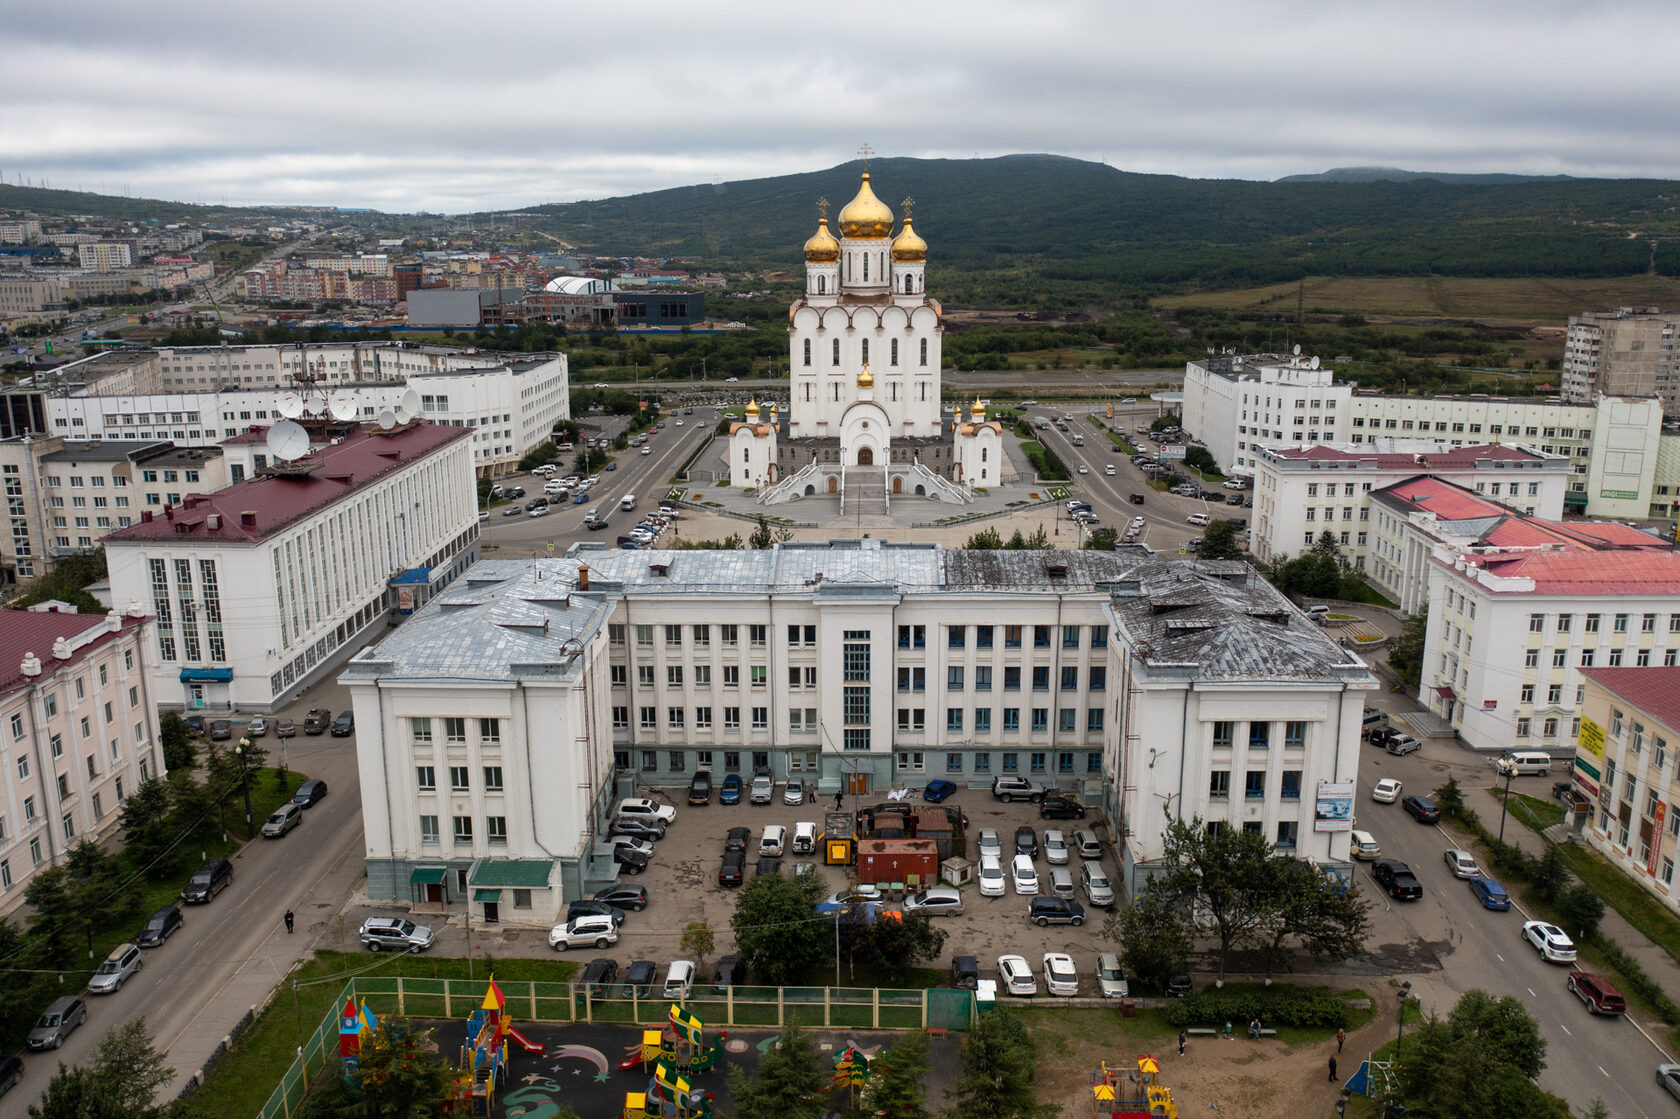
point(1333, 810)
point(1656, 839)
point(1592, 738)
point(1171, 451)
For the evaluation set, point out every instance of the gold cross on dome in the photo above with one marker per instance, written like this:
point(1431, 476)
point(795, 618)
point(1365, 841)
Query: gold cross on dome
point(865, 152)
point(908, 202)
point(822, 208)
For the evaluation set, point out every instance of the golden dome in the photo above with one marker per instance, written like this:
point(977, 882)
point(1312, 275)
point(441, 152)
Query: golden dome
point(752, 408)
point(979, 412)
point(822, 248)
point(866, 379)
point(907, 246)
point(866, 215)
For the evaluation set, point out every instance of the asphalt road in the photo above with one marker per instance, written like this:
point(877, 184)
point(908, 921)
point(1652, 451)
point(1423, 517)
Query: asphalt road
point(1446, 944)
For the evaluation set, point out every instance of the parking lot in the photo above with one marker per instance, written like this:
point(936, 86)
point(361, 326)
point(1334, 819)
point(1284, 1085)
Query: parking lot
point(682, 884)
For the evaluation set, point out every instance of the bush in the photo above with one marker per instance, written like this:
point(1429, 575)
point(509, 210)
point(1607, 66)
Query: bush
point(1274, 1006)
point(1634, 975)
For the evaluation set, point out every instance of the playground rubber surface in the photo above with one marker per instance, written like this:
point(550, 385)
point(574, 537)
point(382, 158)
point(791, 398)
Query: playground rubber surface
point(579, 1067)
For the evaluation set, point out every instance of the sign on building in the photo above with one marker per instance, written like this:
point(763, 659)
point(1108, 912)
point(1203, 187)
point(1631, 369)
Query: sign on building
point(1333, 810)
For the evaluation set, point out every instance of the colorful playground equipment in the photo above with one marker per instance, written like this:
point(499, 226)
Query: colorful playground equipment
point(1131, 1095)
point(676, 1052)
point(355, 1028)
point(484, 1053)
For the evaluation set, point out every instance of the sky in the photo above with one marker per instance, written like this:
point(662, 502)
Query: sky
point(451, 107)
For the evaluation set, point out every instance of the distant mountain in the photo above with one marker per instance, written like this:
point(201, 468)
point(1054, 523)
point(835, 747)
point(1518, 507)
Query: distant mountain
point(1399, 175)
point(77, 203)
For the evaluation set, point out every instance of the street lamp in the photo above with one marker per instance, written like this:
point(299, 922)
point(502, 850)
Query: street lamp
point(1405, 993)
point(245, 781)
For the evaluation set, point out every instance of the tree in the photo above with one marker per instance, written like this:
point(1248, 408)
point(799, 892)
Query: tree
point(1102, 540)
point(791, 1081)
point(125, 1074)
point(83, 893)
point(1405, 656)
point(775, 931)
point(997, 1073)
point(1155, 938)
point(986, 539)
point(147, 834)
point(1221, 873)
point(893, 945)
point(898, 1075)
point(1580, 910)
point(1449, 798)
point(1219, 542)
point(400, 1074)
point(698, 942)
point(1202, 459)
point(1551, 874)
point(1479, 1061)
point(178, 750)
point(761, 537)
point(1325, 916)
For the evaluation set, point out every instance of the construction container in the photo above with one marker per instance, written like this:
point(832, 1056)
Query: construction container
point(837, 838)
point(897, 860)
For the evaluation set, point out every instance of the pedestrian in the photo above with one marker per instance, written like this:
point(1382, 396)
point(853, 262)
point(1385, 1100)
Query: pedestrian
point(289, 920)
point(1254, 1029)
point(1332, 1066)
point(1182, 1037)
point(1341, 1036)
point(839, 799)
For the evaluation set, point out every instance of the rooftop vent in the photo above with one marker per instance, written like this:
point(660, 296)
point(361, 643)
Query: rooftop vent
point(213, 521)
point(1056, 570)
point(248, 518)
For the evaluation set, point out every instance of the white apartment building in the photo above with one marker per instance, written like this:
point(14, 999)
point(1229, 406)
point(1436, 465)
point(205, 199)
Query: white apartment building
point(1512, 626)
point(261, 588)
point(1626, 352)
point(483, 742)
point(78, 733)
point(1235, 405)
point(105, 256)
point(1300, 492)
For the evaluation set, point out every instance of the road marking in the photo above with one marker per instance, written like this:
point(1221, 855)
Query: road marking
point(1601, 1069)
point(1498, 957)
point(1531, 993)
point(1566, 1029)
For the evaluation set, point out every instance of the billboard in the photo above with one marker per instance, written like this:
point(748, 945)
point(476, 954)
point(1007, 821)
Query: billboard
point(1333, 808)
point(1592, 737)
point(1171, 451)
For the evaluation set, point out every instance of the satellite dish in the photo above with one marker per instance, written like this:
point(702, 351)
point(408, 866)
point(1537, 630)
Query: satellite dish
point(1297, 350)
point(288, 441)
point(342, 406)
point(388, 419)
point(1315, 361)
point(291, 406)
point(410, 402)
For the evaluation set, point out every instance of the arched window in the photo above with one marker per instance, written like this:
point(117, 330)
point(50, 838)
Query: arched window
point(822, 285)
point(895, 351)
point(836, 351)
point(924, 351)
point(908, 286)
point(983, 451)
point(807, 351)
point(866, 268)
point(866, 351)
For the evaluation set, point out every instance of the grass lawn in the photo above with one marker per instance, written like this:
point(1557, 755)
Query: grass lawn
point(1536, 813)
point(1642, 910)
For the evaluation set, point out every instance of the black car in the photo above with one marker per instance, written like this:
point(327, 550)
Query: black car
point(1060, 808)
point(1380, 734)
point(11, 1072)
point(1026, 842)
point(344, 726)
point(1179, 986)
point(730, 972)
point(700, 788)
point(737, 839)
point(597, 974)
point(208, 881)
point(965, 972)
point(649, 830)
point(770, 866)
point(220, 730)
point(1055, 911)
point(515, 492)
point(1136, 499)
point(729, 874)
point(634, 898)
point(640, 977)
point(630, 860)
point(1397, 879)
point(1422, 809)
point(593, 909)
point(164, 922)
point(309, 792)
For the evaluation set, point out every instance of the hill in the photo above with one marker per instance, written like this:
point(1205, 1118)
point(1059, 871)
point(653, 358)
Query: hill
point(1398, 175)
point(78, 203)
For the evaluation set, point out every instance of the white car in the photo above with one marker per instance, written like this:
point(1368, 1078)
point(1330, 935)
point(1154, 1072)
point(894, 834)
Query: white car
point(990, 845)
point(1387, 791)
point(1055, 848)
point(644, 809)
point(804, 837)
point(1549, 941)
point(1083, 470)
point(1024, 874)
point(1462, 863)
point(1017, 977)
point(937, 901)
point(991, 877)
point(1060, 978)
point(647, 450)
point(793, 792)
point(1109, 470)
point(863, 891)
point(593, 931)
point(678, 979)
point(669, 511)
point(634, 843)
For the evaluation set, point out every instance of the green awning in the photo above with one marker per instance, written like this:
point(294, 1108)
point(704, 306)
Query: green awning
point(427, 875)
point(1588, 768)
point(487, 895)
point(518, 874)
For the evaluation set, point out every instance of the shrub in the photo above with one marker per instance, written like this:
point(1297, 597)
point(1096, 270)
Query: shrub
point(1274, 1006)
point(1639, 981)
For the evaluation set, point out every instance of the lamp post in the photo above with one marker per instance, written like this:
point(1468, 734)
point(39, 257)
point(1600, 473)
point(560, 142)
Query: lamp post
point(1405, 993)
point(245, 781)
point(1505, 807)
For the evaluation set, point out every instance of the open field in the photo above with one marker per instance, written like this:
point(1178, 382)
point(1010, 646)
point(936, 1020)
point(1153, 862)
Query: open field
point(1524, 299)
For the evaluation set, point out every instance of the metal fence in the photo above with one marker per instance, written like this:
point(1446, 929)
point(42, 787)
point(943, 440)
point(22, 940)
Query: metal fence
point(858, 1008)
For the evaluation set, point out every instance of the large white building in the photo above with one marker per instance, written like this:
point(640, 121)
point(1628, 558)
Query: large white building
point(1303, 491)
point(1626, 352)
point(864, 418)
point(1621, 463)
point(1150, 687)
point(260, 588)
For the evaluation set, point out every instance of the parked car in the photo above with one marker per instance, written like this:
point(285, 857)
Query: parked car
point(730, 791)
point(1016, 976)
point(598, 975)
point(965, 972)
point(700, 787)
point(1086, 844)
point(991, 877)
point(1179, 986)
point(1396, 879)
point(399, 934)
point(763, 788)
point(1060, 808)
point(599, 931)
point(220, 730)
point(1597, 992)
point(1055, 848)
point(309, 792)
point(124, 961)
point(283, 820)
point(679, 978)
point(730, 972)
point(1379, 734)
point(1098, 891)
point(623, 896)
point(1055, 911)
point(1490, 893)
point(1402, 744)
point(57, 1022)
point(1363, 845)
point(637, 828)
point(773, 840)
point(1060, 976)
point(1009, 789)
point(737, 839)
point(936, 901)
point(317, 721)
point(730, 870)
point(584, 907)
point(160, 926)
point(1422, 809)
point(804, 837)
point(256, 728)
point(1550, 941)
point(936, 791)
point(646, 809)
point(1026, 842)
point(345, 725)
point(1111, 981)
point(640, 976)
point(209, 880)
point(1462, 863)
point(989, 844)
point(11, 1072)
point(794, 791)
point(1387, 791)
point(285, 728)
point(631, 860)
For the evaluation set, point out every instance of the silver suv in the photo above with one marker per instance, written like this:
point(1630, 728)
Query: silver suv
point(123, 962)
point(763, 788)
point(396, 933)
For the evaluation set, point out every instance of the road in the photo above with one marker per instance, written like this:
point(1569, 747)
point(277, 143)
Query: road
point(1446, 944)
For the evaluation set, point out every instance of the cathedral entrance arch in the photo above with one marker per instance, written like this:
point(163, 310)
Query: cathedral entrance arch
point(898, 483)
point(833, 484)
point(866, 456)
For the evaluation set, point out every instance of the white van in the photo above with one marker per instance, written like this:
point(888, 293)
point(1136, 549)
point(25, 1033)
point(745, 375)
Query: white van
point(627, 502)
point(592, 516)
point(773, 840)
point(1523, 763)
point(1197, 518)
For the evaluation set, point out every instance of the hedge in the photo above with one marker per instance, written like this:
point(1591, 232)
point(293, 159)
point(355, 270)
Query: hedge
point(1274, 1006)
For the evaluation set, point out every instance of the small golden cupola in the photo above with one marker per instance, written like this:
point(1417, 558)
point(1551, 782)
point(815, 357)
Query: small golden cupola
point(752, 410)
point(866, 379)
point(978, 412)
point(822, 248)
point(866, 215)
point(908, 247)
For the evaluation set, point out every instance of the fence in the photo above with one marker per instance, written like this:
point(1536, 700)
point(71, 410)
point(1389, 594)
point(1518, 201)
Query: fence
point(858, 1008)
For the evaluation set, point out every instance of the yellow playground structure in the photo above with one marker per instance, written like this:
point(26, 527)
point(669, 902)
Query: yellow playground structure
point(1131, 1095)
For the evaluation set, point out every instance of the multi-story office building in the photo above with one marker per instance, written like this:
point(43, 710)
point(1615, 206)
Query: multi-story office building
point(1626, 352)
point(78, 733)
point(303, 557)
point(1153, 688)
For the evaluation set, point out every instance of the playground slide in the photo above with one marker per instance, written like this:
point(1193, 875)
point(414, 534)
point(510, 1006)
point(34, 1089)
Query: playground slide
point(524, 1042)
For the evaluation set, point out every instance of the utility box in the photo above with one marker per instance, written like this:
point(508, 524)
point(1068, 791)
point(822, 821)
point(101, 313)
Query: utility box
point(837, 838)
point(896, 860)
point(956, 871)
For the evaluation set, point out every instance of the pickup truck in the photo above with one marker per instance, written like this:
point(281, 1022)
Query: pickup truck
point(1396, 879)
point(1009, 789)
point(317, 721)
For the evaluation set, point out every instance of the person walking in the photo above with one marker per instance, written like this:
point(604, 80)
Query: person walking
point(1182, 1037)
point(1341, 1036)
point(839, 799)
point(1332, 1066)
point(289, 920)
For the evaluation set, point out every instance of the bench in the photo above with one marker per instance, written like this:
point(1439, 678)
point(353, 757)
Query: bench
point(1201, 1031)
point(1268, 1033)
point(938, 1031)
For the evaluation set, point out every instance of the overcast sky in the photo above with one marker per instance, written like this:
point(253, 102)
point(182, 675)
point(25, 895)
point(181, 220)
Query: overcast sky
point(461, 106)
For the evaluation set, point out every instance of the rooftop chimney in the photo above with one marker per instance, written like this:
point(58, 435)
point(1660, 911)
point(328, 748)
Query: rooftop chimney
point(31, 665)
point(583, 576)
point(213, 521)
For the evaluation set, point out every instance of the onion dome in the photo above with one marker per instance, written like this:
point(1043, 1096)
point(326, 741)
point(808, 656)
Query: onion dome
point(866, 215)
point(822, 248)
point(866, 379)
point(979, 411)
point(907, 246)
point(752, 409)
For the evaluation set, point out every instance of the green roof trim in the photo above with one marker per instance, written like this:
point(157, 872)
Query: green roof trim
point(427, 875)
point(519, 874)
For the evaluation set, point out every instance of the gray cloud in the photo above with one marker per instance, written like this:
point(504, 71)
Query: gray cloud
point(430, 105)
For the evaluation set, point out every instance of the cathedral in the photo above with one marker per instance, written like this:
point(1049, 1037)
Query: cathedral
point(864, 419)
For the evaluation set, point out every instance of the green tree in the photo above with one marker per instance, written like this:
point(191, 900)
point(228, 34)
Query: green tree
point(1580, 911)
point(1326, 917)
point(119, 1083)
point(898, 1076)
point(1552, 876)
point(791, 1082)
point(1219, 542)
point(147, 835)
point(776, 933)
point(761, 537)
point(1104, 539)
point(178, 750)
point(986, 539)
point(1449, 798)
point(73, 899)
point(1480, 1061)
point(997, 1073)
point(697, 941)
point(1155, 938)
point(1405, 656)
point(892, 946)
point(1202, 459)
point(401, 1077)
point(1222, 873)
point(1038, 539)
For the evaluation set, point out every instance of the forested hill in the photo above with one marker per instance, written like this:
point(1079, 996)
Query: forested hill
point(1067, 219)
